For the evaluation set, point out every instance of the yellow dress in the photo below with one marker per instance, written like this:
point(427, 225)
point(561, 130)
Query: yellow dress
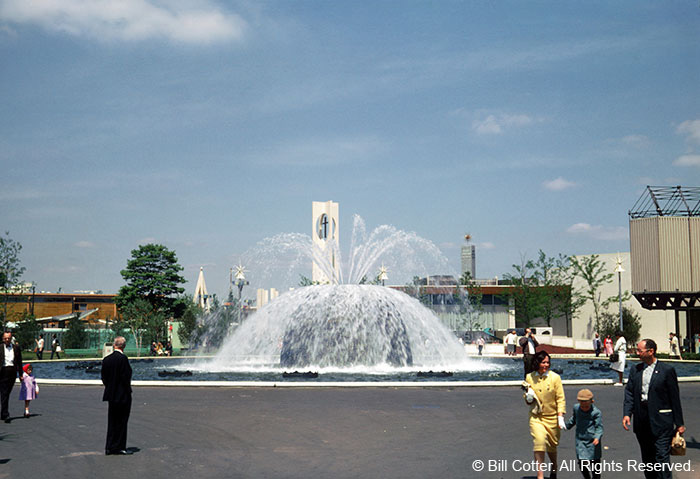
point(544, 427)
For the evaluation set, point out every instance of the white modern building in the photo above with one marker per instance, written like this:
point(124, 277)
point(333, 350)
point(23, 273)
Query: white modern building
point(264, 296)
point(325, 235)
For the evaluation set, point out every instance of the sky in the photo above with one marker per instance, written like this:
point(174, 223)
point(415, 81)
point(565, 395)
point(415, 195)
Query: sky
point(208, 126)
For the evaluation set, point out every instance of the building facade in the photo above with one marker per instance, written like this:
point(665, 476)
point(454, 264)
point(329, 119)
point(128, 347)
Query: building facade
point(52, 310)
point(469, 259)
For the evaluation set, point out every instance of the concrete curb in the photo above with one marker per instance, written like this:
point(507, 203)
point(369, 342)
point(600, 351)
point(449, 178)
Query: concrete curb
point(333, 384)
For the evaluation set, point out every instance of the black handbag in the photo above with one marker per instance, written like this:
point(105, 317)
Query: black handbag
point(614, 357)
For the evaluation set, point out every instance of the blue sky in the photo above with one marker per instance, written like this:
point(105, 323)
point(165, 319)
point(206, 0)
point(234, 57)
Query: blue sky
point(208, 126)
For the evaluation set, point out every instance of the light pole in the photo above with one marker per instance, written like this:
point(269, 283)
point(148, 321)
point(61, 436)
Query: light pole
point(240, 282)
point(383, 276)
point(619, 270)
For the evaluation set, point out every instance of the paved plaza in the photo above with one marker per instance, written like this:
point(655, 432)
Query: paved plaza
point(215, 432)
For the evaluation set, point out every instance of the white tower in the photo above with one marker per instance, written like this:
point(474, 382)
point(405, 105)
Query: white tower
point(325, 240)
point(201, 297)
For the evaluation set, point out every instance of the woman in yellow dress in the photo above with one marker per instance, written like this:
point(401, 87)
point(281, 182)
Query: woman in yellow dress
point(545, 394)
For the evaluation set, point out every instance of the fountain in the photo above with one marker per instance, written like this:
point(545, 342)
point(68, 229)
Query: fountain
point(342, 326)
point(350, 325)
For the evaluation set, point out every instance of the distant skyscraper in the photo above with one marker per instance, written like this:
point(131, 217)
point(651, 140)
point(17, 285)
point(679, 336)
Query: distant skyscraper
point(468, 257)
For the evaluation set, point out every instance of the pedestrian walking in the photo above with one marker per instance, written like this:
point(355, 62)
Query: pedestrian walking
point(55, 347)
point(597, 345)
point(588, 421)
point(652, 401)
point(29, 389)
point(40, 347)
point(10, 369)
point(544, 388)
point(619, 356)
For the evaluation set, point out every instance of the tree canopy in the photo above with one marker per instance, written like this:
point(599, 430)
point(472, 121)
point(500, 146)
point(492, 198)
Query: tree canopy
point(152, 274)
point(592, 271)
point(524, 292)
point(11, 270)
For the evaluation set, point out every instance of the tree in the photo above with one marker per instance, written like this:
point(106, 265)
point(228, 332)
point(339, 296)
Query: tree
point(215, 325)
point(140, 316)
point(306, 281)
point(415, 290)
point(117, 326)
point(76, 336)
point(592, 271)
point(188, 322)
point(150, 296)
point(544, 274)
point(631, 324)
point(11, 270)
point(470, 306)
point(524, 291)
point(152, 274)
point(27, 331)
point(568, 301)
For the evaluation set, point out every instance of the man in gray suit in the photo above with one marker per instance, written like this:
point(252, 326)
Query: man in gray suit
point(652, 398)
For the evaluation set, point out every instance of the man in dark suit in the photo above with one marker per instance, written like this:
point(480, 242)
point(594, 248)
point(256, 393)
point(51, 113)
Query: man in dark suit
point(653, 400)
point(528, 344)
point(10, 368)
point(116, 376)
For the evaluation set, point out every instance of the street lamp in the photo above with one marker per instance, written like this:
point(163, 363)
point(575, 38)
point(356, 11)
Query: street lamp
point(383, 276)
point(619, 270)
point(240, 282)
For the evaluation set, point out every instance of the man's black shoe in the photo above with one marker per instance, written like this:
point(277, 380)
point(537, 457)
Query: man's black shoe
point(122, 452)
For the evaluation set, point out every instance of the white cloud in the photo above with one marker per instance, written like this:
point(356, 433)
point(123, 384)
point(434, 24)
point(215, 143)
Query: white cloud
point(598, 231)
point(558, 184)
point(687, 160)
point(486, 245)
point(690, 128)
point(494, 124)
point(84, 244)
point(130, 20)
point(147, 240)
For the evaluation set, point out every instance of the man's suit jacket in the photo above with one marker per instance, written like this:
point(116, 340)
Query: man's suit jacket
point(664, 402)
point(18, 358)
point(116, 376)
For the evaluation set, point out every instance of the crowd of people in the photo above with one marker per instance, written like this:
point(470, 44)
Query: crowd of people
point(157, 349)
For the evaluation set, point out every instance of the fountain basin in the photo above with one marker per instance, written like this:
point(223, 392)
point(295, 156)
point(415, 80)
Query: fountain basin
point(491, 370)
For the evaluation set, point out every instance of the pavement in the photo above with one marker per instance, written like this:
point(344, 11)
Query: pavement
point(368, 432)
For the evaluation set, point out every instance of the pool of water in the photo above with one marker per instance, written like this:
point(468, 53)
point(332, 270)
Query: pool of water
point(480, 369)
